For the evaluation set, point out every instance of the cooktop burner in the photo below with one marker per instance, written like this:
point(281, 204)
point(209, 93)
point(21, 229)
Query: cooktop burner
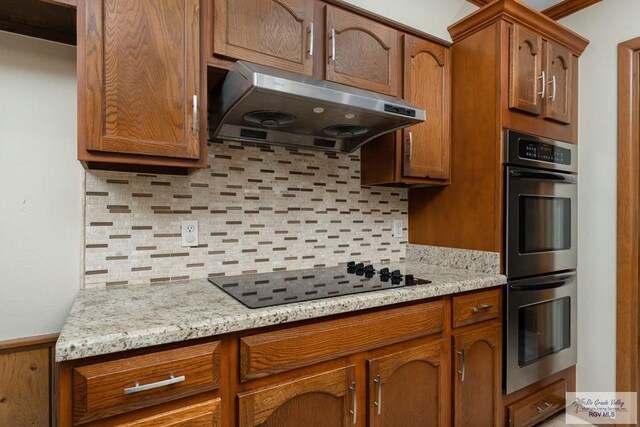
point(284, 287)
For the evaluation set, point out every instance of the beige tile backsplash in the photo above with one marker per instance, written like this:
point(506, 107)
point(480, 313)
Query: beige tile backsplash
point(259, 208)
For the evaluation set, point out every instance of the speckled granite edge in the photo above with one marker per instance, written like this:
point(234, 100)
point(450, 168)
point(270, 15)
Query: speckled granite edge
point(464, 259)
point(108, 321)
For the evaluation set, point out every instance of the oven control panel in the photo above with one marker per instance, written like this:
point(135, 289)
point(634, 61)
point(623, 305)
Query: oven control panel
point(539, 151)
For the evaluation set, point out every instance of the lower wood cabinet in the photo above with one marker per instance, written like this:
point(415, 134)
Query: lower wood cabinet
point(410, 388)
point(205, 414)
point(477, 371)
point(328, 399)
point(387, 367)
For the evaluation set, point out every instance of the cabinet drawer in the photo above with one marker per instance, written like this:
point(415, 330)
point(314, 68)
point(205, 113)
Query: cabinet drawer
point(476, 307)
point(279, 351)
point(205, 414)
point(537, 407)
point(110, 388)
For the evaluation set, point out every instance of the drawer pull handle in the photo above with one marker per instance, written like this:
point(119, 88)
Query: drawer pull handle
point(545, 406)
point(138, 388)
point(483, 307)
point(378, 402)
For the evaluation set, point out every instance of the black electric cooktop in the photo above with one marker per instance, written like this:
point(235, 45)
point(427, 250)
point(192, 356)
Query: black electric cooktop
point(284, 287)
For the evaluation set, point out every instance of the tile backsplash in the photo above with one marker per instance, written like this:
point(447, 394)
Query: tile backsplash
point(259, 208)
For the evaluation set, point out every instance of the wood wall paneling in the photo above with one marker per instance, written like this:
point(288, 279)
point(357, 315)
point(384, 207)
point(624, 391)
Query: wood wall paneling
point(628, 230)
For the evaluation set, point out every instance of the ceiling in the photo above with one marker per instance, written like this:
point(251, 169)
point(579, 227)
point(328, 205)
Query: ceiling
point(541, 4)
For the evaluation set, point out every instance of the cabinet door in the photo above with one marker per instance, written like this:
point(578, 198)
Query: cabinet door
point(477, 373)
point(361, 52)
point(426, 85)
point(526, 80)
point(139, 77)
point(559, 89)
point(205, 414)
point(410, 388)
point(327, 399)
point(276, 33)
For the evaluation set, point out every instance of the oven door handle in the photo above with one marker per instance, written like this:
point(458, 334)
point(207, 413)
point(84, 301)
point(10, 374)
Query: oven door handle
point(544, 176)
point(540, 287)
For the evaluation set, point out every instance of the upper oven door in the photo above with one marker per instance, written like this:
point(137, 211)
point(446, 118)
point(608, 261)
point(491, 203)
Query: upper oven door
point(541, 218)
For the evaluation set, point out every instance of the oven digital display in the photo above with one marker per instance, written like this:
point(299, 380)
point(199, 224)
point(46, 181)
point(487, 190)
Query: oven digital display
point(540, 151)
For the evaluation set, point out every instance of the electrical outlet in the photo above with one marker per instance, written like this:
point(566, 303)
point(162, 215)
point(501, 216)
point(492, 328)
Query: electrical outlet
point(189, 232)
point(397, 229)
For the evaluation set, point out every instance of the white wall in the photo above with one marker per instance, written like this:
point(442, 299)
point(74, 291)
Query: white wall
point(431, 16)
point(41, 184)
point(605, 24)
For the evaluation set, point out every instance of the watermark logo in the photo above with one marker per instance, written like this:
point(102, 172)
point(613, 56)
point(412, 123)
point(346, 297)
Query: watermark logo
point(601, 408)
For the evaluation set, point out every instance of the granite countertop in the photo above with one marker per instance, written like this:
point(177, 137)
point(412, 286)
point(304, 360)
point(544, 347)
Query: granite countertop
point(109, 320)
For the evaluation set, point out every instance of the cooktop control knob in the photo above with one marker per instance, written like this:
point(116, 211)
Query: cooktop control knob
point(408, 280)
point(359, 266)
point(369, 274)
point(395, 280)
point(369, 268)
point(384, 271)
point(396, 273)
point(351, 264)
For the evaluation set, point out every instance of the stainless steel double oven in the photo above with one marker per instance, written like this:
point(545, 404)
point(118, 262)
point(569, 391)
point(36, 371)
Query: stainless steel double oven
point(540, 258)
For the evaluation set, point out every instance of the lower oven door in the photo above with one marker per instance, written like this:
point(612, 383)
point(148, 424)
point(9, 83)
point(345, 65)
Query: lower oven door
point(541, 218)
point(540, 329)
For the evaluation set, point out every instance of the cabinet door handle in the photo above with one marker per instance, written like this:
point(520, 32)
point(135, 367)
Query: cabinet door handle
point(544, 407)
point(553, 83)
point(310, 49)
point(138, 388)
point(354, 403)
point(411, 144)
point(378, 401)
point(333, 44)
point(543, 92)
point(482, 307)
point(194, 127)
point(462, 364)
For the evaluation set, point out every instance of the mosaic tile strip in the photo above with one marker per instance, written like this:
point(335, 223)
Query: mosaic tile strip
point(260, 208)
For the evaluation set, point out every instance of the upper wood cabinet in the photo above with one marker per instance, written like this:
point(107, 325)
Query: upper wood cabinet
point(361, 52)
point(420, 154)
point(326, 399)
point(540, 76)
point(277, 33)
point(426, 85)
point(139, 83)
point(477, 372)
point(559, 63)
point(525, 73)
point(410, 388)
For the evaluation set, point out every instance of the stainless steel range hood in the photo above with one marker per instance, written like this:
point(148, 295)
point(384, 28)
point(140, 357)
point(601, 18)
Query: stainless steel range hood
point(262, 104)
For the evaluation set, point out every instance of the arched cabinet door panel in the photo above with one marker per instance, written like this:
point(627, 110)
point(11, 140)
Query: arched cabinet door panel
point(410, 388)
point(526, 79)
point(276, 33)
point(559, 63)
point(427, 85)
point(477, 377)
point(361, 52)
point(322, 400)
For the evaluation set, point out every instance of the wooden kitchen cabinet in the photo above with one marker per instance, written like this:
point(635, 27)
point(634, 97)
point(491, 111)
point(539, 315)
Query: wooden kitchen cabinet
point(540, 76)
point(326, 399)
point(141, 98)
point(477, 372)
point(277, 33)
point(361, 52)
point(419, 154)
point(410, 387)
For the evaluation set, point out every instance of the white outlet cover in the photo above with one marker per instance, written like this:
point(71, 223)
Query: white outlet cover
point(189, 233)
point(397, 229)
